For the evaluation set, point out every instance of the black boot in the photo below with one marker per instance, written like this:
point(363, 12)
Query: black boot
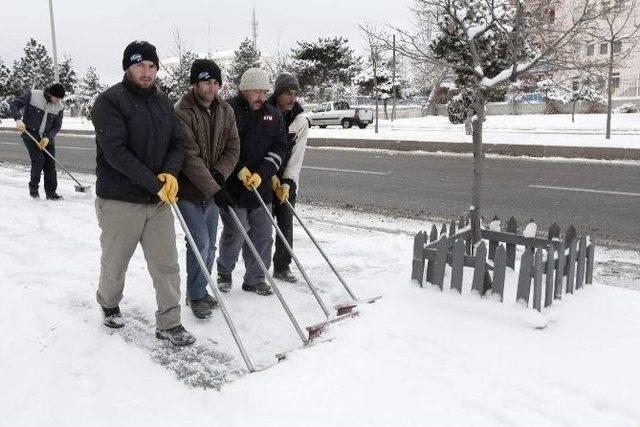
point(200, 308)
point(177, 336)
point(112, 317)
point(261, 288)
point(224, 282)
point(285, 274)
point(33, 192)
point(54, 196)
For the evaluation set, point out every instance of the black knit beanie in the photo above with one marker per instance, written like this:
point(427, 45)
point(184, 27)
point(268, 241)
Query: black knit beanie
point(285, 82)
point(137, 51)
point(204, 69)
point(56, 90)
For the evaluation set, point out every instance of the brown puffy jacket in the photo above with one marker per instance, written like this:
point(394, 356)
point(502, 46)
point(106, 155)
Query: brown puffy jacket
point(206, 153)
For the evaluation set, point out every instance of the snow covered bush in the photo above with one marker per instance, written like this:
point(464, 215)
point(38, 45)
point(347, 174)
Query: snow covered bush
point(623, 109)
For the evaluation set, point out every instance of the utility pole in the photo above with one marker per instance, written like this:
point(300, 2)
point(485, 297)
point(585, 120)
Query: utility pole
point(209, 29)
point(56, 72)
point(254, 26)
point(393, 82)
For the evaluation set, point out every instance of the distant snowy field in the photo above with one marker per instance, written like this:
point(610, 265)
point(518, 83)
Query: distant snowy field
point(534, 129)
point(416, 357)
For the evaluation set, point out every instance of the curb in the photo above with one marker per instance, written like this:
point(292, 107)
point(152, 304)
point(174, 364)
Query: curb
point(600, 153)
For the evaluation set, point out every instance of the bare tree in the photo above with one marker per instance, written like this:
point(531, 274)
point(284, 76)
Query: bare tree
point(618, 26)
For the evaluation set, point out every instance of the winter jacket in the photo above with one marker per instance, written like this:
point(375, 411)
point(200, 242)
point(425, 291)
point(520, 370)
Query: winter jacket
point(298, 131)
point(138, 136)
point(42, 118)
point(263, 143)
point(212, 145)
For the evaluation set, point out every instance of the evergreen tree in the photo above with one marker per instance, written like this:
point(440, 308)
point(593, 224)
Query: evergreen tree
point(67, 76)
point(33, 71)
point(5, 95)
point(87, 91)
point(245, 57)
point(175, 79)
point(327, 61)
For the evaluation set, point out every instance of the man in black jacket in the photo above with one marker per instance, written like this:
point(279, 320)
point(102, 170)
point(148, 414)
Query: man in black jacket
point(40, 113)
point(262, 147)
point(139, 154)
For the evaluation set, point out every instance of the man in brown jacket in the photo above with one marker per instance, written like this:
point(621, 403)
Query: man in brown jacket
point(212, 151)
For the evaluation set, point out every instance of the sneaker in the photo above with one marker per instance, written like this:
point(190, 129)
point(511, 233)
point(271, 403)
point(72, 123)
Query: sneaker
point(261, 288)
point(177, 336)
point(224, 282)
point(211, 301)
point(54, 196)
point(112, 317)
point(285, 275)
point(200, 308)
point(33, 192)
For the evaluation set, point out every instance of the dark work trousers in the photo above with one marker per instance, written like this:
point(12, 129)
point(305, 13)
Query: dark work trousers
point(41, 162)
point(284, 217)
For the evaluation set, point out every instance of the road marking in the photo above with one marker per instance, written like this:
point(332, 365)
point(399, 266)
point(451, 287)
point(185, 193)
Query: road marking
point(586, 190)
point(58, 147)
point(345, 170)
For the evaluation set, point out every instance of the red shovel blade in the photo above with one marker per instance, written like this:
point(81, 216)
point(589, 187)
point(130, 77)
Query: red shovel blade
point(316, 330)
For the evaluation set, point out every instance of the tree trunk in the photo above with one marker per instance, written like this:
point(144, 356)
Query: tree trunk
point(386, 115)
point(609, 89)
point(478, 167)
point(573, 112)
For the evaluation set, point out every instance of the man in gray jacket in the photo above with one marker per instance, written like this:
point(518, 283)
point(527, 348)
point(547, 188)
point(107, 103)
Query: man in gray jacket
point(212, 151)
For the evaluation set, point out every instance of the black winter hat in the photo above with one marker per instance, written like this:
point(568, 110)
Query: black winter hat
point(56, 90)
point(204, 69)
point(285, 82)
point(137, 51)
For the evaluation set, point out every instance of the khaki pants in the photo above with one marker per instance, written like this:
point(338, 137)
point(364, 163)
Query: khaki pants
point(125, 224)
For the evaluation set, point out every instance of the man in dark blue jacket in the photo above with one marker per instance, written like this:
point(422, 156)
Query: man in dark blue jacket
point(40, 113)
point(263, 142)
point(139, 154)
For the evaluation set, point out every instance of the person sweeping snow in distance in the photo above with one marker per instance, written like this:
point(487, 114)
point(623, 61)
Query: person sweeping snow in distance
point(139, 153)
point(40, 113)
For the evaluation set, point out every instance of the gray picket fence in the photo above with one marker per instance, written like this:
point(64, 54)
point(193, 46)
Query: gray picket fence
point(561, 265)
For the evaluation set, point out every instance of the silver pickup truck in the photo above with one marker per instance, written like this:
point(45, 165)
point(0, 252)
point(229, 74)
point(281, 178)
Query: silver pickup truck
point(339, 113)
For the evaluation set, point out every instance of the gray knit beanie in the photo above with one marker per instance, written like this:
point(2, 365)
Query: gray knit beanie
point(285, 82)
point(254, 79)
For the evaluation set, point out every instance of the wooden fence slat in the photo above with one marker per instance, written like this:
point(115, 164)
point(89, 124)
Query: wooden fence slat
point(493, 244)
point(554, 231)
point(417, 268)
point(438, 266)
point(590, 256)
point(461, 223)
point(498, 272)
point(571, 266)
point(457, 267)
point(582, 260)
point(433, 236)
point(524, 277)
point(570, 234)
point(538, 269)
point(479, 268)
point(443, 230)
point(559, 279)
point(452, 228)
point(512, 227)
point(550, 268)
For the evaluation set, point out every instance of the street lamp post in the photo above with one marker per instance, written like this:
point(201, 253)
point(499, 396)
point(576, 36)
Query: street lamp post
point(56, 73)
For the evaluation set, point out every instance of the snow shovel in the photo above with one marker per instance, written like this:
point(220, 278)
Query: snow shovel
point(214, 288)
point(344, 310)
point(264, 269)
point(79, 187)
point(344, 284)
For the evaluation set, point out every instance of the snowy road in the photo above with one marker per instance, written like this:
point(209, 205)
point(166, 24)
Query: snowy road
point(599, 197)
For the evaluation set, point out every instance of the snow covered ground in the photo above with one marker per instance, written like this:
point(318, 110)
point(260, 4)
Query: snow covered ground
point(416, 357)
point(535, 129)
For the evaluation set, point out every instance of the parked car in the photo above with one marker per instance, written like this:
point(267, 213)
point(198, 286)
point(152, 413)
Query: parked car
point(339, 113)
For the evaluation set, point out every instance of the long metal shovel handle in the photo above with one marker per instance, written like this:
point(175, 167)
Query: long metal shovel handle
point(265, 270)
point(214, 288)
point(349, 291)
point(54, 159)
point(293, 255)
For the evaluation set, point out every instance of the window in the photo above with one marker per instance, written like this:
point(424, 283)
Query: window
point(615, 80)
point(604, 48)
point(590, 49)
point(617, 47)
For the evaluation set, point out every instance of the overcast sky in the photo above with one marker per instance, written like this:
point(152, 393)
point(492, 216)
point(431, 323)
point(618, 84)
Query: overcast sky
point(96, 32)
